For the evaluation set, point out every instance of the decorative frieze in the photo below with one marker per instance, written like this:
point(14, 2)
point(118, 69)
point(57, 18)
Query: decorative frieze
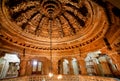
point(65, 78)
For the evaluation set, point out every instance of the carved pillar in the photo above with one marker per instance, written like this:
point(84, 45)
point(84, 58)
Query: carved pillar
point(61, 66)
point(55, 65)
point(105, 67)
point(97, 67)
point(82, 65)
point(70, 66)
point(45, 67)
point(115, 58)
point(23, 64)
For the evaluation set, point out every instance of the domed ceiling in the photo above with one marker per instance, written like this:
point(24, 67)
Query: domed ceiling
point(67, 20)
point(34, 17)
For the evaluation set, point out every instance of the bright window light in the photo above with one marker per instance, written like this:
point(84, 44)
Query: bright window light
point(34, 63)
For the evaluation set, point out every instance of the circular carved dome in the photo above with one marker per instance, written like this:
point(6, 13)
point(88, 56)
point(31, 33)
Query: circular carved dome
point(33, 17)
point(73, 23)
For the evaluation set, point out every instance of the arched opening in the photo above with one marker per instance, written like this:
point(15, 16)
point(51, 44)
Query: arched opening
point(63, 66)
point(37, 67)
point(9, 65)
point(68, 66)
point(99, 64)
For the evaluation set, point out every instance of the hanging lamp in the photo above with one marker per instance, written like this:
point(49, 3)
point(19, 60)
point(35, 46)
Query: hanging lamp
point(50, 73)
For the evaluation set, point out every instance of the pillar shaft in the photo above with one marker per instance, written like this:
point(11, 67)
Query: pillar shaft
point(82, 65)
point(70, 67)
point(23, 64)
point(55, 66)
point(115, 58)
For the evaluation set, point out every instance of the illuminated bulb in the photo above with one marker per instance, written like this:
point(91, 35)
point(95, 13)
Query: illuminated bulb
point(50, 75)
point(59, 77)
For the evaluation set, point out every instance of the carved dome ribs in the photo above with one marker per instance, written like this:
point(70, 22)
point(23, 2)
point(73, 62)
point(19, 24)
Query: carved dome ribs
point(71, 6)
point(71, 26)
point(83, 10)
point(34, 14)
point(67, 25)
point(61, 28)
point(80, 21)
point(38, 26)
point(28, 20)
point(15, 15)
point(32, 17)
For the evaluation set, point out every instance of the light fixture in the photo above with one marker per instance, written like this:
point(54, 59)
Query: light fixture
point(59, 76)
point(50, 74)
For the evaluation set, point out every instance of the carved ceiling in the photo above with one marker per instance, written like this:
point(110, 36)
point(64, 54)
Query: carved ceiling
point(34, 17)
point(28, 22)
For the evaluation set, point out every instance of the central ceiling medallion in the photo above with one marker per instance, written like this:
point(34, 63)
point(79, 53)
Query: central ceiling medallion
point(49, 7)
